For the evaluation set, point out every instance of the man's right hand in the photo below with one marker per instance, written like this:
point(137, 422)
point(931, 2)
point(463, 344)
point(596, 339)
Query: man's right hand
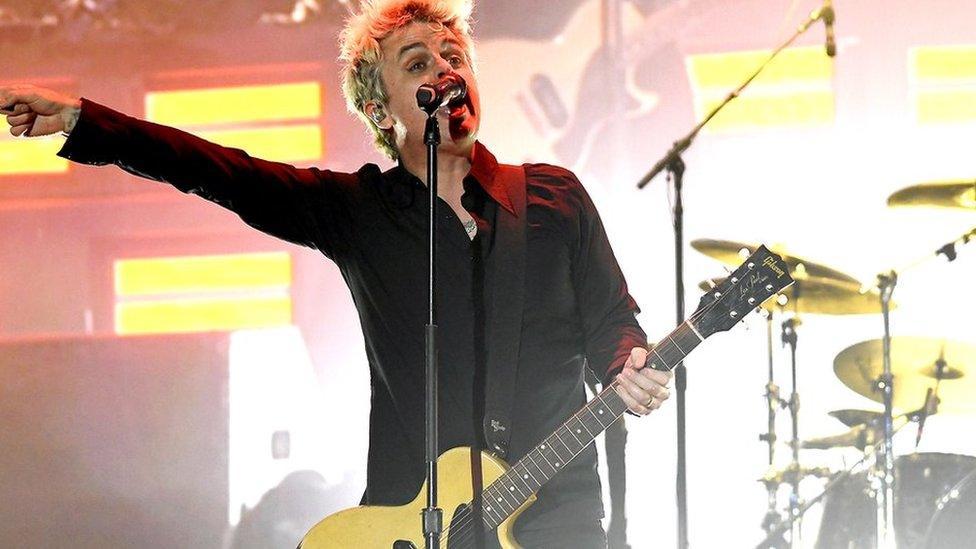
point(33, 112)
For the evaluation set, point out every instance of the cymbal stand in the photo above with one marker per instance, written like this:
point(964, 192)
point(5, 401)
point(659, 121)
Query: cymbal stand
point(931, 404)
point(789, 338)
point(773, 402)
point(885, 497)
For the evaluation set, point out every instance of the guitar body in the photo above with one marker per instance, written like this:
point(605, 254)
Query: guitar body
point(379, 527)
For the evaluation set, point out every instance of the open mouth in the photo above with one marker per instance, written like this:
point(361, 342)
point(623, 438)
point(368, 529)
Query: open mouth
point(459, 107)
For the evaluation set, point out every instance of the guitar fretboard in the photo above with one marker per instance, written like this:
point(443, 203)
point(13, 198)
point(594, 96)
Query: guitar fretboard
point(511, 490)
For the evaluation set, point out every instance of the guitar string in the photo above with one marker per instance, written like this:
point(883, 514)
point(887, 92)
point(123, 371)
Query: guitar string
point(463, 531)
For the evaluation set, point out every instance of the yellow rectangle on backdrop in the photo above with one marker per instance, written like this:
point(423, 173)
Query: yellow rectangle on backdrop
point(154, 317)
point(943, 63)
point(301, 143)
point(942, 106)
point(728, 70)
point(235, 105)
point(806, 109)
point(217, 273)
point(36, 155)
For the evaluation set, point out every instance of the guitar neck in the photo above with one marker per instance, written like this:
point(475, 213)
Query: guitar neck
point(511, 490)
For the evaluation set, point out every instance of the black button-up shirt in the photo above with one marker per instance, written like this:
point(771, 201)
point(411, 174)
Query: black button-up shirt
point(372, 224)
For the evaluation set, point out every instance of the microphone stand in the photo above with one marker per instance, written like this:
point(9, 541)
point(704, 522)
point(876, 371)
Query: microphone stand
point(675, 166)
point(432, 515)
point(885, 470)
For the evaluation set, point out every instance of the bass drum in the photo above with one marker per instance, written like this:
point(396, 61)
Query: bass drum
point(921, 481)
point(954, 524)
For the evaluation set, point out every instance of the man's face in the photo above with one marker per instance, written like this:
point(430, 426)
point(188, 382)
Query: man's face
point(422, 53)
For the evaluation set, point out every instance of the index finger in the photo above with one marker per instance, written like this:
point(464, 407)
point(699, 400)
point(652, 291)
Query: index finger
point(9, 98)
point(658, 376)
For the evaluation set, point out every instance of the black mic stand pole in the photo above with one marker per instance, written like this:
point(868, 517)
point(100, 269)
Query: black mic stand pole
point(432, 515)
point(675, 167)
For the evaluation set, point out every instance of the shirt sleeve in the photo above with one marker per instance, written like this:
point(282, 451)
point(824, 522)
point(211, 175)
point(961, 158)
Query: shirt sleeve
point(276, 198)
point(607, 311)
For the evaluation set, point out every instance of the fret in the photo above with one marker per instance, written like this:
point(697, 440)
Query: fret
point(686, 337)
point(500, 498)
point(554, 460)
point(659, 360)
point(589, 418)
point(491, 512)
point(512, 485)
point(675, 343)
point(563, 442)
point(545, 477)
point(579, 417)
point(526, 474)
point(669, 352)
point(576, 431)
point(616, 404)
point(598, 409)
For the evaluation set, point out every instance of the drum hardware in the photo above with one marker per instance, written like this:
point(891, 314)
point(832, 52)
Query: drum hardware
point(792, 474)
point(952, 524)
point(731, 253)
point(918, 365)
point(885, 475)
point(940, 194)
point(860, 437)
point(823, 295)
point(818, 289)
point(774, 535)
point(853, 418)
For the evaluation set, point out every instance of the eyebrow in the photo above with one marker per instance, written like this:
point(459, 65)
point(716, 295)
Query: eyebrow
point(447, 41)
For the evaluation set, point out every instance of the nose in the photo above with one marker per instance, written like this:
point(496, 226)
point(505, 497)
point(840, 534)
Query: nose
point(443, 68)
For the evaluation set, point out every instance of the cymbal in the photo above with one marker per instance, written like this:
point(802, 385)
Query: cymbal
point(731, 253)
point(913, 368)
point(818, 295)
point(853, 418)
point(860, 437)
point(790, 472)
point(941, 194)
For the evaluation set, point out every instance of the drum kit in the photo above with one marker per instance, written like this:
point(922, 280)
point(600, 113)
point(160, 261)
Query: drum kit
point(920, 500)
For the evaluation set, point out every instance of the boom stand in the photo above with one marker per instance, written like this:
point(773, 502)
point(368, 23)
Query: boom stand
point(432, 515)
point(789, 338)
point(675, 166)
point(885, 497)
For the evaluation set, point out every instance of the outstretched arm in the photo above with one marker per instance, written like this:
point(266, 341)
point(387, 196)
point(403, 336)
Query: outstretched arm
point(303, 206)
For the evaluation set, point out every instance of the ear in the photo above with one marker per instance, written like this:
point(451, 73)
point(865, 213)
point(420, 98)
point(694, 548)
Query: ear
point(375, 112)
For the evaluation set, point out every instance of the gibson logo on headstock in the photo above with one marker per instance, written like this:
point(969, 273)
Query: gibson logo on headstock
point(771, 263)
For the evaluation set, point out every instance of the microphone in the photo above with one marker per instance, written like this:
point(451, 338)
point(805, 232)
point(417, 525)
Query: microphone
point(450, 89)
point(828, 16)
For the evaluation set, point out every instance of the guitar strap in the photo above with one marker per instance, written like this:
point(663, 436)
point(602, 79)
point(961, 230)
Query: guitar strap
point(504, 293)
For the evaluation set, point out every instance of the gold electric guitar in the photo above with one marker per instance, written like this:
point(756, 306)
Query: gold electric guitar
point(510, 490)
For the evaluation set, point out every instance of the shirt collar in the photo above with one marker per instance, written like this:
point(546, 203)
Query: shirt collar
point(484, 170)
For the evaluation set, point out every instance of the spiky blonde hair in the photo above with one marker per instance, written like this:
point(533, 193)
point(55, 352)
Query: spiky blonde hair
point(360, 53)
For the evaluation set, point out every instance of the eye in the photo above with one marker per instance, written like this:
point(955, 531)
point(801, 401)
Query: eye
point(417, 66)
point(456, 61)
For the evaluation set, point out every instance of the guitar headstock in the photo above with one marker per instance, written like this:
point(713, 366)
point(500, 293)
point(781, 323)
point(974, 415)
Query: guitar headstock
point(761, 276)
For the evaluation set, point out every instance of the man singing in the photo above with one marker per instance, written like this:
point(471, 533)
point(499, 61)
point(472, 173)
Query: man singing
point(575, 311)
